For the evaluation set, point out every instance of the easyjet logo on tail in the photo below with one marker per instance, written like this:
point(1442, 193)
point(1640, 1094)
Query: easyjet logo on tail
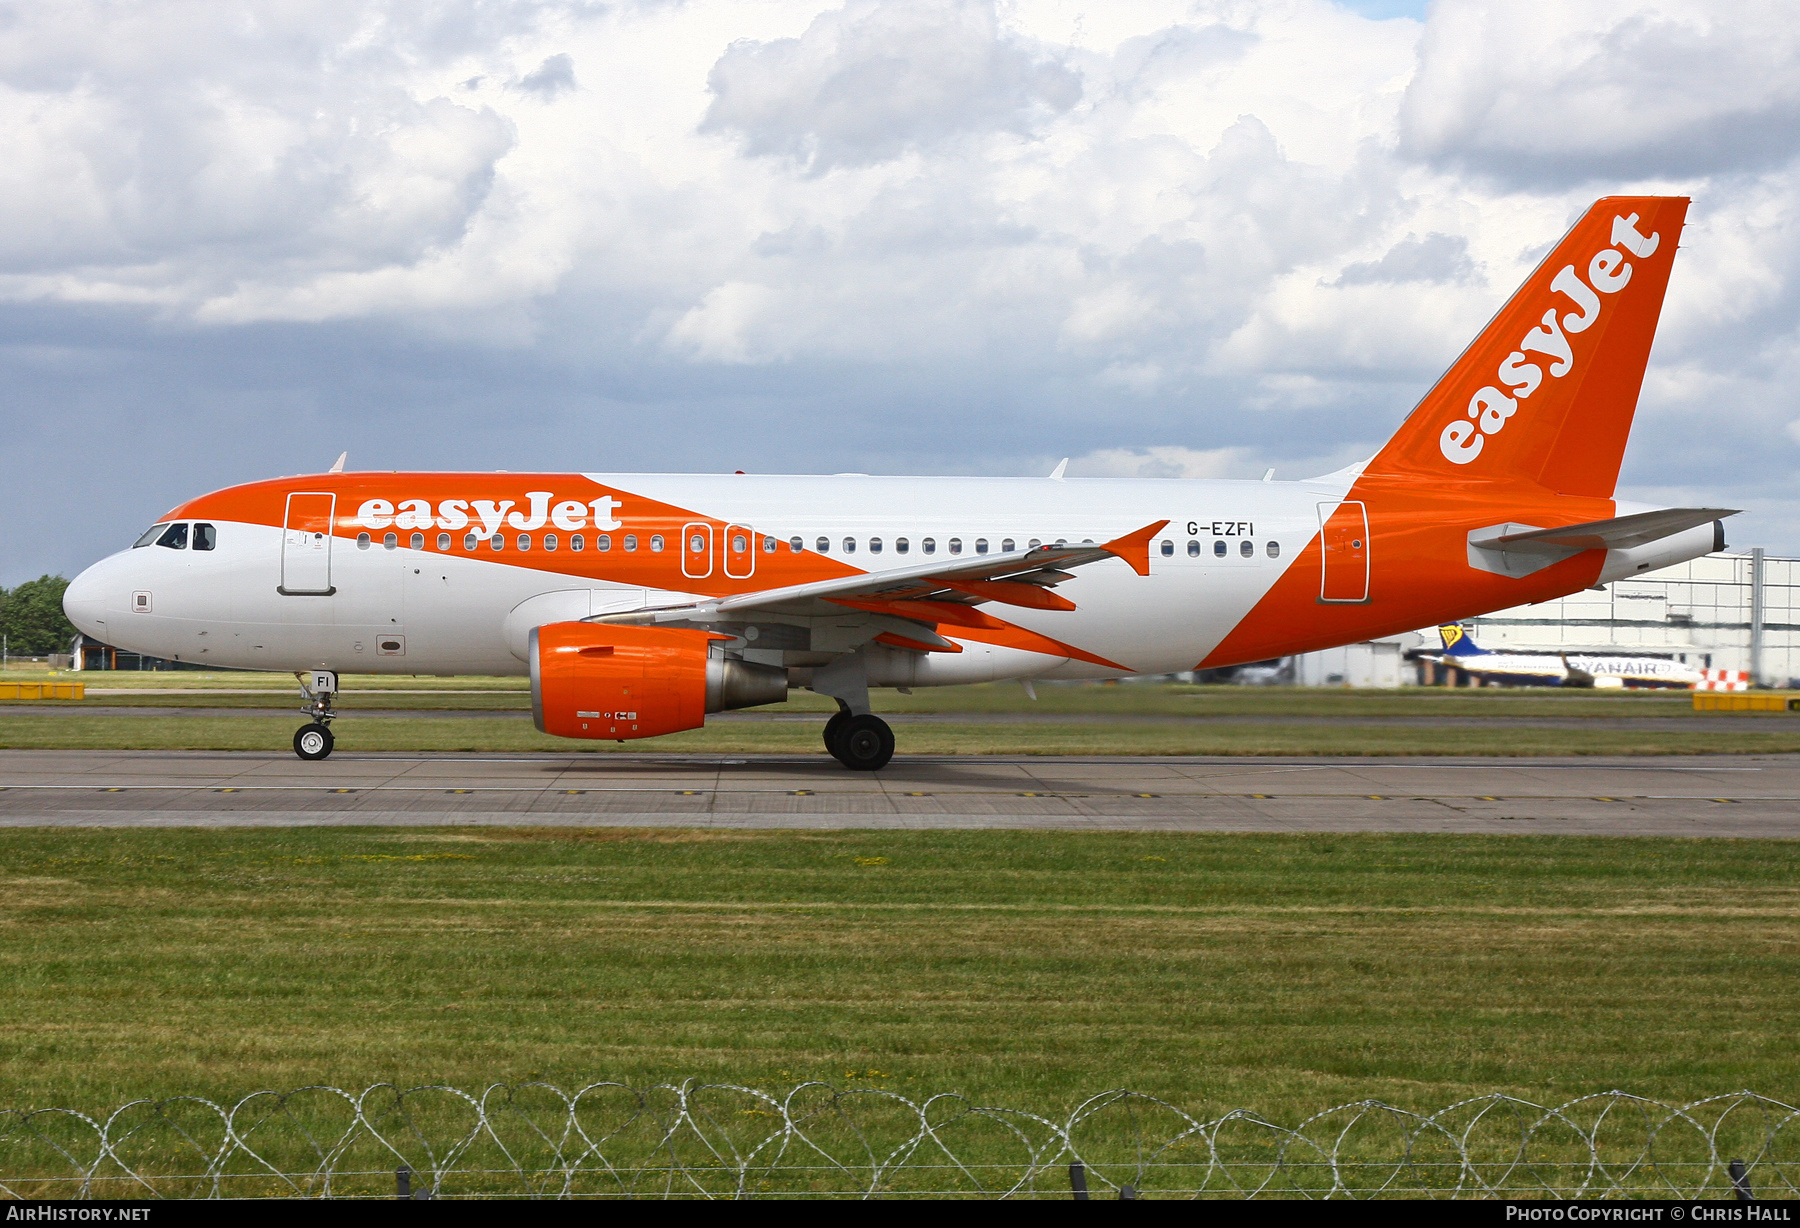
point(1490, 408)
point(490, 514)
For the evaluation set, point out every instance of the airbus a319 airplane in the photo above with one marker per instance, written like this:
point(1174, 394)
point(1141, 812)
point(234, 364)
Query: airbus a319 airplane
point(640, 603)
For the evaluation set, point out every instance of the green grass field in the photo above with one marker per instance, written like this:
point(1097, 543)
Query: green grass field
point(1284, 973)
point(1064, 719)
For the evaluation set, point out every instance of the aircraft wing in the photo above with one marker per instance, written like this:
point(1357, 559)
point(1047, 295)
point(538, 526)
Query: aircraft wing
point(939, 591)
point(1619, 533)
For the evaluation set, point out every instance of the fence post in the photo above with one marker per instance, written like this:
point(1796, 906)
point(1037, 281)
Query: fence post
point(403, 1182)
point(1078, 1180)
point(1740, 1182)
point(1128, 1191)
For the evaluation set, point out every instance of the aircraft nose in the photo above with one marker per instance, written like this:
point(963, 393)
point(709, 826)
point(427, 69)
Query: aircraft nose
point(84, 601)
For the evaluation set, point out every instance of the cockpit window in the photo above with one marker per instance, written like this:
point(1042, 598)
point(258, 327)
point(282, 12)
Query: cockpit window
point(204, 536)
point(150, 536)
point(174, 537)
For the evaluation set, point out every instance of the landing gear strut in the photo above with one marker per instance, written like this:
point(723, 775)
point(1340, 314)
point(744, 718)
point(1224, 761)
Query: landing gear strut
point(856, 737)
point(313, 741)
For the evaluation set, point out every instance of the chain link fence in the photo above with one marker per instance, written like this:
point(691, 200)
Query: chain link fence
point(708, 1140)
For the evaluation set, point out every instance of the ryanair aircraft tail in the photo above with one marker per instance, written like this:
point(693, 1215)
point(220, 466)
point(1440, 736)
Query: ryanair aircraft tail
point(1547, 392)
point(1459, 643)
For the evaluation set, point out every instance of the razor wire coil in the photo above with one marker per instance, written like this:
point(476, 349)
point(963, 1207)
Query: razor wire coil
point(717, 1140)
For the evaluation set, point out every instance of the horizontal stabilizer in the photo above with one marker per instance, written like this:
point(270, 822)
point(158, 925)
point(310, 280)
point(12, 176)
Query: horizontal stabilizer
point(1619, 533)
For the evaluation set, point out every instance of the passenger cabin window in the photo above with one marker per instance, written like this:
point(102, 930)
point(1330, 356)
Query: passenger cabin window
point(823, 545)
point(391, 541)
point(524, 541)
point(656, 543)
point(497, 542)
point(150, 536)
point(874, 545)
point(1168, 550)
point(362, 541)
point(549, 541)
point(929, 545)
point(1006, 547)
point(469, 541)
point(1034, 543)
point(603, 542)
point(443, 541)
point(981, 545)
point(697, 544)
point(174, 537)
point(630, 542)
point(956, 545)
point(577, 542)
point(1219, 549)
point(796, 544)
point(849, 545)
point(1247, 548)
point(418, 541)
point(204, 537)
point(739, 543)
point(768, 545)
point(901, 545)
point(1193, 548)
point(1273, 550)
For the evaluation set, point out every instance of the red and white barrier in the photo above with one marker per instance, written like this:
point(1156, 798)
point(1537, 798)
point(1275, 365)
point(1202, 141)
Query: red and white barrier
point(1723, 680)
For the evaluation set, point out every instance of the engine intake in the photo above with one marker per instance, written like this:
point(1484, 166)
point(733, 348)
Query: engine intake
point(598, 680)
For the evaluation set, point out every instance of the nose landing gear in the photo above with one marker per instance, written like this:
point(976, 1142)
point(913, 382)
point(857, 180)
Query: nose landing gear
point(313, 741)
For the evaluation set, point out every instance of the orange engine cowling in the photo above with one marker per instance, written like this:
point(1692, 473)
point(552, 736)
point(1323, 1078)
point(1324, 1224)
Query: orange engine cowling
point(597, 680)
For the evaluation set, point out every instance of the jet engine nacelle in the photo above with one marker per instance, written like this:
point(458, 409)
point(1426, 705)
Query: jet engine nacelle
point(596, 680)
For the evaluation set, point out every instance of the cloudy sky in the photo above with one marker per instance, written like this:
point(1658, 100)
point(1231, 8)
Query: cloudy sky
point(894, 236)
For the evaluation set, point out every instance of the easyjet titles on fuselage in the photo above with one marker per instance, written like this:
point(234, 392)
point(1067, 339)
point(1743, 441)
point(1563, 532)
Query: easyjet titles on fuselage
point(491, 515)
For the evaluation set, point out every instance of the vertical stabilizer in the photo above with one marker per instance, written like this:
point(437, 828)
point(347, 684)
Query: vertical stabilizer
point(1547, 392)
point(1458, 642)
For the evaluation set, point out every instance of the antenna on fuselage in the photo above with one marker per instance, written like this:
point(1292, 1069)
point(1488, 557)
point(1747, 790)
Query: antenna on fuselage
point(337, 466)
point(1062, 467)
point(1268, 475)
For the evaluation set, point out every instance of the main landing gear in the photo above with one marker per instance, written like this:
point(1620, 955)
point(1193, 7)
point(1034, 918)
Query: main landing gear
point(861, 743)
point(313, 741)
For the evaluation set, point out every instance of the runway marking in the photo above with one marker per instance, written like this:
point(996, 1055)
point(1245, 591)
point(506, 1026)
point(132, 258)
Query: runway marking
point(915, 795)
point(341, 790)
point(112, 790)
point(1485, 798)
point(574, 792)
point(681, 792)
point(459, 790)
point(1142, 795)
point(800, 792)
point(1606, 799)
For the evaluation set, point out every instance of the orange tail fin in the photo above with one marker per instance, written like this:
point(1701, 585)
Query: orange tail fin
point(1546, 393)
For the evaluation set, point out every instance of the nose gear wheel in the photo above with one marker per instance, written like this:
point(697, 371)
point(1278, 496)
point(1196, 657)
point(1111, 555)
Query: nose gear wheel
point(313, 741)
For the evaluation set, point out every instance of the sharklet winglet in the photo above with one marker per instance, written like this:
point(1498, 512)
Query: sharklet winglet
point(1134, 548)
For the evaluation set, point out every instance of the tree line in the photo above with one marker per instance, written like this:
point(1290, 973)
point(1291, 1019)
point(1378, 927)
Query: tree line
point(32, 619)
